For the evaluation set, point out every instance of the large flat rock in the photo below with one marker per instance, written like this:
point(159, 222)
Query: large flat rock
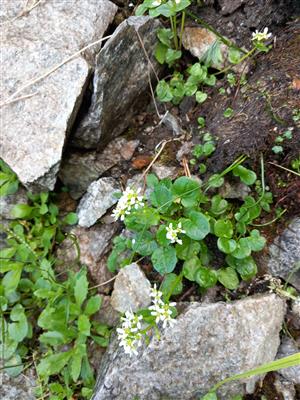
point(207, 344)
point(121, 80)
point(34, 130)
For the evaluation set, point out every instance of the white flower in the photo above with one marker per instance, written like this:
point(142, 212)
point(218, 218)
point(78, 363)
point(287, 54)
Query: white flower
point(130, 199)
point(261, 36)
point(129, 334)
point(156, 3)
point(172, 233)
point(161, 310)
point(177, 1)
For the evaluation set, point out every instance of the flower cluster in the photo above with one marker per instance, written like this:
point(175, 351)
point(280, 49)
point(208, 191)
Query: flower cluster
point(161, 310)
point(261, 36)
point(172, 233)
point(129, 199)
point(129, 334)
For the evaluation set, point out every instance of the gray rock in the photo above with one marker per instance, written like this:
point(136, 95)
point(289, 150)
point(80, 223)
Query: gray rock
point(8, 202)
point(284, 254)
point(97, 200)
point(131, 289)
point(34, 129)
point(228, 7)
point(20, 387)
point(120, 82)
point(285, 388)
point(207, 344)
point(236, 190)
point(107, 314)
point(163, 171)
point(287, 348)
point(79, 170)
point(94, 243)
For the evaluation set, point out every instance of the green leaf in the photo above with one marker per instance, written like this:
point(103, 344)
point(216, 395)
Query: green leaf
point(101, 341)
point(161, 236)
point(201, 96)
point(165, 36)
point(246, 267)
point(215, 181)
point(228, 277)
point(9, 187)
point(210, 396)
point(13, 367)
point(161, 198)
point(206, 277)
point(256, 241)
point(163, 91)
point(234, 55)
point(187, 191)
point(228, 112)
point(76, 360)
point(164, 259)
point(169, 286)
point(218, 205)
point(93, 305)
point(226, 245)
point(243, 249)
point(196, 226)
point(144, 244)
point(160, 53)
point(172, 55)
point(277, 149)
point(81, 287)
point(21, 211)
point(84, 325)
point(142, 219)
point(53, 364)
point(19, 329)
point(190, 268)
point(188, 249)
point(223, 228)
point(71, 219)
point(12, 278)
point(152, 181)
point(53, 338)
point(246, 175)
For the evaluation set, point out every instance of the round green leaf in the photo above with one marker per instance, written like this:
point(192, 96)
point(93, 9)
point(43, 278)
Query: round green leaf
point(206, 277)
point(225, 245)
point(197, 226)
point(223, 228)
point(188, 249)
point(164, 259)
point(187, 191)
point(200, 96)
point(246, 268)
point(256, 241)
point(215, 181)
point(243, 249)
point(246, 175)
point(228, 277)
point(144, 244)
point(218, 205)
point(169, 286)
point(190, 268)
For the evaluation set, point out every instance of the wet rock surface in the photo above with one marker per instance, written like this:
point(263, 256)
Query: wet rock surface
point(120, 82)
point(97, 200)
point(131, 289)
point(36, 127)
point(200, 350)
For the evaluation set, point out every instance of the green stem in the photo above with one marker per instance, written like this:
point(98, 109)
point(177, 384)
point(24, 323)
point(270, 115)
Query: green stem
point(175, 31)
point(240, 60)
point(270, 222)
point(182, 28)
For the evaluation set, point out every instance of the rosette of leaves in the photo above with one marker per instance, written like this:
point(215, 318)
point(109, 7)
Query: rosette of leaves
point(202, 216)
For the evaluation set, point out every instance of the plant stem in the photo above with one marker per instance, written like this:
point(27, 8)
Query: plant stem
point(250, 52)
point(182, 28)
point(175, 31)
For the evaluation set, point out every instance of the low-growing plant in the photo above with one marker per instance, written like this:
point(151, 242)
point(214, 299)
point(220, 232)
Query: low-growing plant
point(280, 139)
point(172, 224)
point(45, 317)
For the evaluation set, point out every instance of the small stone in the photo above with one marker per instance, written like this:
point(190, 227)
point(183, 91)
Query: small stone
point(236, 190)
point(131, 289)
point(284, 387)
point(20, 387)
point(121, 80)
point(284, 254)
point(7, 203)
point(207, 344)
point(79, 169)
point(97, 200)
point(229, 7)
point(163, 171)
point(287, 348)
point(94, 244)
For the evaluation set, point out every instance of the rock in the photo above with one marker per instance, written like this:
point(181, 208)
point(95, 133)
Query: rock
point(8, 202)
point(35, 129)
point(94, 243)
point(163, 171)
point(285, 388)
point(107, 314)
point(20, 387)
point(284, 254)
point(79, 170)
point(120, 82)
point(228, 7)
point(208, 343)
point(200, 40)
point(97, 200)
point(131, 289)
point(234, 190)
point(287, 348)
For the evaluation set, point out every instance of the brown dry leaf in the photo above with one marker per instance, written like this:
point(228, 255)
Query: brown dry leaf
point(296, 83)
point(141, 161)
